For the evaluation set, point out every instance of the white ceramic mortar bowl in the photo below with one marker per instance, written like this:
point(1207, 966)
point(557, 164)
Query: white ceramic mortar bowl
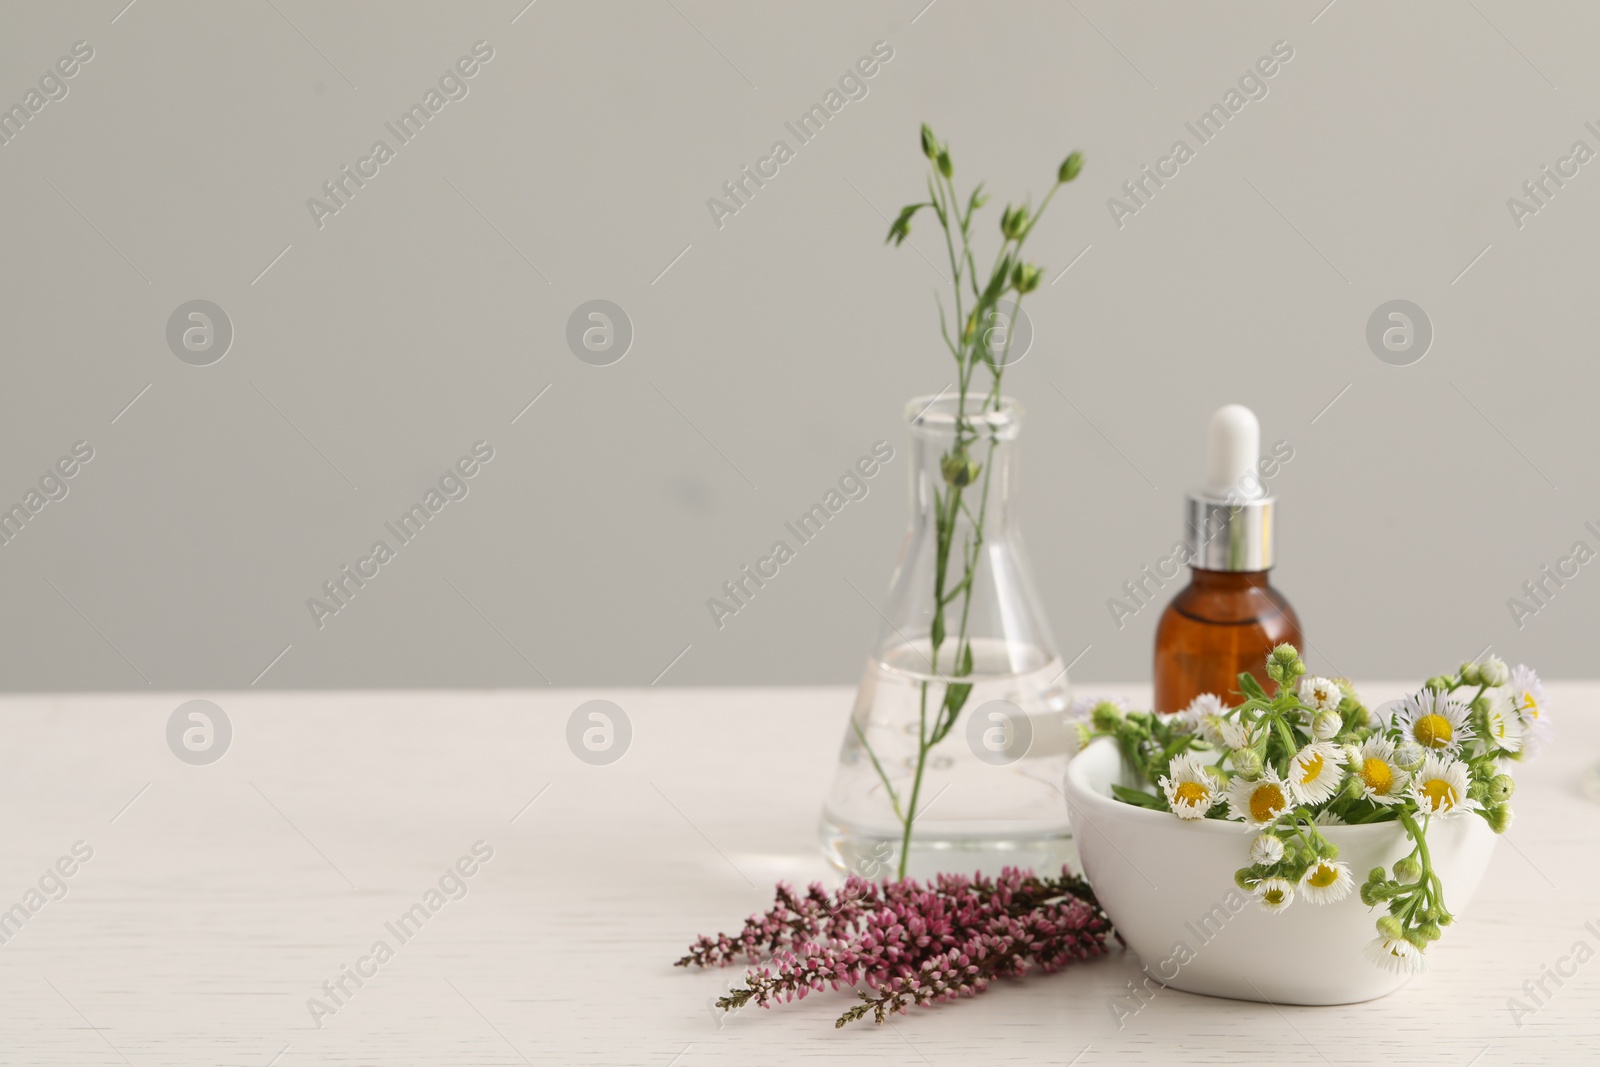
point(1167, 884)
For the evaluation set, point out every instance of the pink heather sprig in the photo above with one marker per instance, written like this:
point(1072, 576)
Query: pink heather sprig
point(909, 943)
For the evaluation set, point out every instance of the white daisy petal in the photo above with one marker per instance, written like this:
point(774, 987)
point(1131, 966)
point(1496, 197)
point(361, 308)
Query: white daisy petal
point(1258, 801)
point(1315, 772)
point(1527, 695)
point(1326, 882)
point(1266, 850)
point(1401, 957)
point(1382, 779)
point(1191, 788)
point(1274, 894)
point(1202, 715)
point(1440, 787)
point(1505, 727)
point(1236, 734)
point(1435, 720)
point(1320, 694)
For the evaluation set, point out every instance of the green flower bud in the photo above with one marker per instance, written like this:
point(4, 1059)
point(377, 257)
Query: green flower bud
point(1407, 870)
point(1501, 786)
point(959, 469)
point(1478, 790)
point(1469, 674)
point(1389, 927)
point(1083, 733)
point(1328, 850)
point(1284, 664)
point(1438, 681)
point(1493, 671)
point(1415, 937)
point(1326, 724)
point(1247, 761)
point(1070, 167)
point(1429, 931)
point(1377, 874)
point(1354, 787)
point(1106, 716)
point(1366, 894)
point(1499, 817)
point(1243, 877)
point(930, 147)
point(1025, 278)
point(945, 166)
point(1013, 222)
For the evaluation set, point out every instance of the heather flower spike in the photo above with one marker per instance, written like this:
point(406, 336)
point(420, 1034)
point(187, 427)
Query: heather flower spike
point(907, 943)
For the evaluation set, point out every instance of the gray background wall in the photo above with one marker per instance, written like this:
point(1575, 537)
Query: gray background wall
point(771, 352)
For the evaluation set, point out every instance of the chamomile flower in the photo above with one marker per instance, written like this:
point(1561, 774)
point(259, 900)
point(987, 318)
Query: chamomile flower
point(1326, 817)
point(1383, 781)
point(1397, 955)
point(1440, 787)
point(1326, 882)
point(1315, 772)
point(1527, 694)
point(1435, 720)
point(1237, 734)
point(1320, 694)
point(1202, 715)
point(1274, 894)
point(1504, 724)
point(1190, 787)
point(1266, 850)
point(1259, 801)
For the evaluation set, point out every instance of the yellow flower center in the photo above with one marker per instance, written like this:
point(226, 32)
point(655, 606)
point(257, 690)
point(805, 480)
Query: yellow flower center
point(1432, 730)
point(1440, 793)
point(1322, 696)
point(1266, 800)
point(1310, 767)
point(1377, 775)
point(1322, 876)
point(1273, 897)
point(1530, 705)
point(1190, 793)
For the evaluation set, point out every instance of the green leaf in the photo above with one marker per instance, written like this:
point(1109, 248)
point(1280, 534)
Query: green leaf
point(938, 631)
point(976, 201)
point(901, 227)
point(1139, 798)
point(1250, 687)
point(955, 698)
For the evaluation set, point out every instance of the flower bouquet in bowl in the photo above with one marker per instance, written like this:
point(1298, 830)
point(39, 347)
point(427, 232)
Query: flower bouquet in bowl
point(1293, 793)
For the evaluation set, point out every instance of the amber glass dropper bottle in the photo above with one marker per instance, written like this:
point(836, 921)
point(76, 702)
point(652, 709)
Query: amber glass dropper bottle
point(1229, 616)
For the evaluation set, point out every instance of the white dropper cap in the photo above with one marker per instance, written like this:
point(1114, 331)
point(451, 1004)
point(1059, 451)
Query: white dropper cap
point(1233, 449)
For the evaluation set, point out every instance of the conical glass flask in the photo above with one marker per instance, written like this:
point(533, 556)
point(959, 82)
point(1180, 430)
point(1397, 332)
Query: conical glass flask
point(959, 726)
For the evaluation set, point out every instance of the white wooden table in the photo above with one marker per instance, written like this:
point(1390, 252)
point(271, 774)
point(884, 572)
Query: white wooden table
point(220, 898)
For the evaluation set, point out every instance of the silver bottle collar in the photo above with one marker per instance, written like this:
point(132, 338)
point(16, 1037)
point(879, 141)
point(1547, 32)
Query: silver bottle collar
point(1225, 533)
